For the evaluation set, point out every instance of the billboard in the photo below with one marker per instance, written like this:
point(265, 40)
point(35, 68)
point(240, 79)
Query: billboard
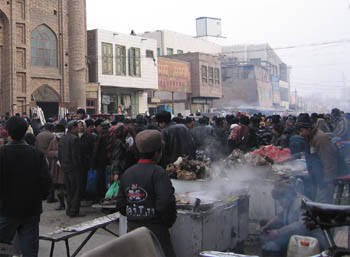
point(174, 76)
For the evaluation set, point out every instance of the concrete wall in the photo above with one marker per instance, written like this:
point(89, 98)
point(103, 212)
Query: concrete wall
point(177, 41)
point(149, 73)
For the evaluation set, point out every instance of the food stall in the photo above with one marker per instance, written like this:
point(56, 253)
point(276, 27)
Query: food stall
point(210, 217)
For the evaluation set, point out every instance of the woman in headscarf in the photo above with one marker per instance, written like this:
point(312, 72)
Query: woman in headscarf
point(322, 125)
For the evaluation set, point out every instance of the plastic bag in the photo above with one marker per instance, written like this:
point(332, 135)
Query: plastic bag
point(112, 190)
point(91, 185)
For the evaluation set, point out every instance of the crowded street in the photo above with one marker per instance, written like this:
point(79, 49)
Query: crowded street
point(174, 129)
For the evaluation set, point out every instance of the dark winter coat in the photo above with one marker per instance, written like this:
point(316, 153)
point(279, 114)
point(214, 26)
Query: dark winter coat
point(146, 195)
point(24, 180)
point(69, 153)
point(177, 141)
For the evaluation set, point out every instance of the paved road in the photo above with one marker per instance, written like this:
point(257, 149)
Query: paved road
point(52, 220)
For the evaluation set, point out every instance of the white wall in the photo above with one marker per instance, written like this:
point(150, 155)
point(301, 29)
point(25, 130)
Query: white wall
point(149, 70)
point(186, 43)
point(143, 104)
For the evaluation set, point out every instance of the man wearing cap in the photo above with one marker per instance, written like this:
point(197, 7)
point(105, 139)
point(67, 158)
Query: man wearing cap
point(321, 160)
point(146, 195)
point(70, 160)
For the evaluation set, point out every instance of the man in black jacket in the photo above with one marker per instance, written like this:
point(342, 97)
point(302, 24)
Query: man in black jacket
point(24, 183)
point(146, 195)
point(177, 139)
point(70, 160)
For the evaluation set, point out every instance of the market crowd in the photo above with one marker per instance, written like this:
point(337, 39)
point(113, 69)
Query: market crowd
point(135, 152)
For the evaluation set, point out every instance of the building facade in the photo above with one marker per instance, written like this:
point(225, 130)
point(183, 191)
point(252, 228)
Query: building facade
point(205, 79)
point(245, 85)
point(169, 43)
point(42, 54)
point(125, 66)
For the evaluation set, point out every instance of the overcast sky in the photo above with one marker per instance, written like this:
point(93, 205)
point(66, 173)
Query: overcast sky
point(277, 22)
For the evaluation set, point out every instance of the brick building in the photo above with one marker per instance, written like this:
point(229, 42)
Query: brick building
point(206, 83)
point(42, 54)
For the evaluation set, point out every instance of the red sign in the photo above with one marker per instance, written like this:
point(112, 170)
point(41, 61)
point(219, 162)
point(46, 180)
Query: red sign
point(174, 76)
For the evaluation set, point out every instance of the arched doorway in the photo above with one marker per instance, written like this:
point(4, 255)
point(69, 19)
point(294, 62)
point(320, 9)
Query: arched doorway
point(47, 99)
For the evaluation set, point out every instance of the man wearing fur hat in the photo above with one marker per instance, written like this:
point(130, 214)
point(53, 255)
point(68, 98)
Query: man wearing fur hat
point(321, 160)
point(146, 195)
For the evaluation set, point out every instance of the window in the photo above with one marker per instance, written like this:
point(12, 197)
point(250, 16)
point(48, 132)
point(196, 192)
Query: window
point(120, 60)
point(170, 51)
point(217, 76)
point(204, 74)
point(211, 75)
point(158, 51)
point(149, 54)
point(107, 59)
point(44, 47)
point(134, 62)
point(180, 51)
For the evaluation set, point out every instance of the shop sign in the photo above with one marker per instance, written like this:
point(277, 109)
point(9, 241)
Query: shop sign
point(174, 76)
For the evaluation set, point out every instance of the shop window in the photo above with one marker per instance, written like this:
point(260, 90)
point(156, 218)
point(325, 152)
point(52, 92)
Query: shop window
point(180, 51)
point(211, 75)
point(120, 56)
point(149, 54)
point(43, 47)
point(134, 62)
point(217, 76)
point(158, 51)
point(170, 51)
point(90, 103)
point(204, 74)
point(107, 59)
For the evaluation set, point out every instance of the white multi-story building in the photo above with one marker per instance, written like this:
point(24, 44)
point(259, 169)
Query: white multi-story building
point(125, 66)
point(169, 43)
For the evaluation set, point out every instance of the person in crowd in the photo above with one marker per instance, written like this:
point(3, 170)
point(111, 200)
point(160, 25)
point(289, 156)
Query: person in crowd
point(56, 172)
point(275, 234)
point(81, 114)
point(140, 124)
point(42, 142)
point(146, 195)
point(176, 137)
point(29, 138)
point(202, 134)
point(100, 158)
point(218, 146)
point(98, 127)
point(64, 121)
point(35, 124)
point(322, 125)
point(189, 122)
point(69, 157)
point(341, 130)
point(87, 145)
point(278, 138)
point(24, 184)
point(321, 159)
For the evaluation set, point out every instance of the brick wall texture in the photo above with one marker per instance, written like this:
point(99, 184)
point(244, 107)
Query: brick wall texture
point(19, 79)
